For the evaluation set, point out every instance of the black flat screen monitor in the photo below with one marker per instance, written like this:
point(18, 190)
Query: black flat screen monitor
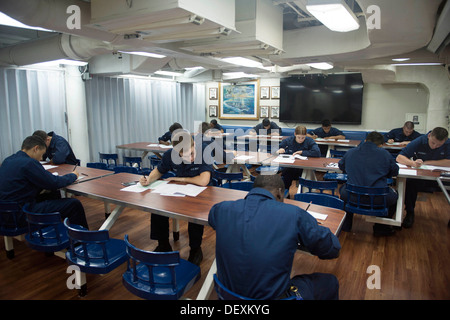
point(313, 98)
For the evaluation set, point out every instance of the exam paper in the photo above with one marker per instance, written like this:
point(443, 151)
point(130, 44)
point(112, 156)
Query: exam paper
point(48, 166)
point(172, 189)
point(243, 157)
point(317, 215)
point(408, 172)
point(159, 146)
point(140, 188)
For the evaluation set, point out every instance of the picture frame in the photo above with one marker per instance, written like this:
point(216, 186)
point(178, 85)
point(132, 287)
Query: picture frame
point(239, 100)
point(264, 111)
point(275, 112)
point(264, 93)
point(213, 94)
point(213, 111)
point(275, 92)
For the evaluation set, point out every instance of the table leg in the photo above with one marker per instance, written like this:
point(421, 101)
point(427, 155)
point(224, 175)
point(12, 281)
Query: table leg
point(112, 218)
point(208, 285)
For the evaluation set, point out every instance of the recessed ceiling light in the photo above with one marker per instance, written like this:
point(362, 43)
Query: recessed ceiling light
point(321, 65)
point(243, 62)
point(400, 59)
point(333, 14)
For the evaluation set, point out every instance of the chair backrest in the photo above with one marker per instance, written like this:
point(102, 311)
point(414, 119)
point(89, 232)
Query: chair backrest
point(370, 201)
point(132, 160)
point(337, 153)
point(81, 236)
point(118, 169)
point(155, 262)
point(97, 165)
point(321, 199)
point(239, 185)
point(37, 222)
point(108, 156)
point(225, 294)
point(154, 161)
point(228, 177)
point(12, 219)
point(318, 185)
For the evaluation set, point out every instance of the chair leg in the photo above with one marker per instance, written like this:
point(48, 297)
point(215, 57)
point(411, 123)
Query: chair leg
point(176, 230)
point(80, 281)
point(107, 210)
point(9, 246)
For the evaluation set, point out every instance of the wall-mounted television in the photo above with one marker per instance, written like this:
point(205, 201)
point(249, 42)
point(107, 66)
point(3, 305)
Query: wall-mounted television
point(315, 97)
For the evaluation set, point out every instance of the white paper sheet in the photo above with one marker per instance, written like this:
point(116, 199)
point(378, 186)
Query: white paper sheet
point(317, 215)
point(408, 172)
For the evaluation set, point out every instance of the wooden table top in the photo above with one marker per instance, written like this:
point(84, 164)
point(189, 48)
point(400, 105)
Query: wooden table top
point(85, 172)
point(192, 209)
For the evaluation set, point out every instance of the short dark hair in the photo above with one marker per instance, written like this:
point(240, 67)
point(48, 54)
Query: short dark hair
point(440, 133)
point(40, 133)
point(326, 123)
point(174, 127)
point(266, 122)
point(409, 125)
point(204, 127)
point(270, 182)
point(214, 121)
point(32, 141)
point(375, 137)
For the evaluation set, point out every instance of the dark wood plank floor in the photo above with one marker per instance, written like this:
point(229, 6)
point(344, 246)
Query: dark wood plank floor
point(413, 263)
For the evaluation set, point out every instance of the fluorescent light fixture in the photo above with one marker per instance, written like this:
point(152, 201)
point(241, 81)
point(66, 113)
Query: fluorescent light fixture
point(145, 54)
point(334, 14)
point(169, 73)
point(400, 59)
point(243, 62)
point(8, 21)
point(321, 65)
point(417, 64)
point(237, 75)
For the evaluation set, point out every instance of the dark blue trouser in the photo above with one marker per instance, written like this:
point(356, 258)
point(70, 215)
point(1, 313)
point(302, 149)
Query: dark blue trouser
point(317, 286)
point(159, 230)
point(68, 208)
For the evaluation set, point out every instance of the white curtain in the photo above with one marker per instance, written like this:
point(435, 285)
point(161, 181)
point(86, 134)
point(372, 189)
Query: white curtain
point(30, 100)
point(127, 110)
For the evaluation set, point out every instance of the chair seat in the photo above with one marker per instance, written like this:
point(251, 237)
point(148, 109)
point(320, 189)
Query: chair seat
point(116, 251)
point(332, 176)
point(186, 275)
point(12, 232)
point(51, 243)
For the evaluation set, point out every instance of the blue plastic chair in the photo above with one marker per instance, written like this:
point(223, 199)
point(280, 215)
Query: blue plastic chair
point(224, 293)
point(334, 176)
point(317, 185)
point(321, 199)
point(107, 157)
point(269, 169)
point(158, 275)
point(130, 161)
point(46, 232)
point(12, 224)
point(228, 177)
point(97, 165)
point(118, 169)
point(239, 185)
point(154, 161)
point(368, 201)
point(93, 251)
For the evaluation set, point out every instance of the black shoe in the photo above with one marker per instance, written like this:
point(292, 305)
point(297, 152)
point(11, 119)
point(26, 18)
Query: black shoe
point(196, 256)
point(382, 230)
point(163, 246)
point(409, 220)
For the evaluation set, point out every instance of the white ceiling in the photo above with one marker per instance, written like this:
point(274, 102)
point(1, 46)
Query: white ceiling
point(280, 34)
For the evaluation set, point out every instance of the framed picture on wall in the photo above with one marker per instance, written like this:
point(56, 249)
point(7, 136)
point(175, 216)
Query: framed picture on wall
point(264, 111)
point(212, 93)
point(239, 100)
point(265, 93)
point(213, 111)
point(275, 112)
point(275, 92)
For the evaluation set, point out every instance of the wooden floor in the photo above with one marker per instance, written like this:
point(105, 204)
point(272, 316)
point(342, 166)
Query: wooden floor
point(414, 263)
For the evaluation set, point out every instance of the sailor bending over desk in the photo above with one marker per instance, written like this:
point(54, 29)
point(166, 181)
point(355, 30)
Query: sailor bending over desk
point(190, 168)
point(23, 178)
point(256, 240)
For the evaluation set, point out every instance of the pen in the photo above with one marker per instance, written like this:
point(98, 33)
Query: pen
point(308, 206)
point(75, 167)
